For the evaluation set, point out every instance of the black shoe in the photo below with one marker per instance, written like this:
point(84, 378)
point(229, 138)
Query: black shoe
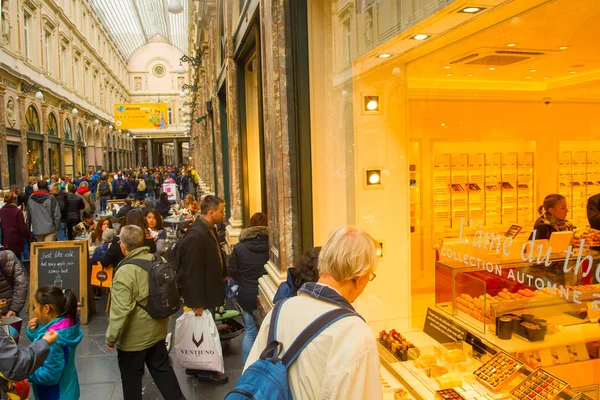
point(215, 377)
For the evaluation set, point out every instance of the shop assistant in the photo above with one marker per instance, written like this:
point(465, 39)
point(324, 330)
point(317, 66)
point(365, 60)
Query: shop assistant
point(593, 211)
point(553, 217)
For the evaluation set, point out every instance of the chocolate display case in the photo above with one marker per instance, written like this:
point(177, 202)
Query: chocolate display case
point(473, 368)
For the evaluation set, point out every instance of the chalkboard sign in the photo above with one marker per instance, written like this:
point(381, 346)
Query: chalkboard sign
point(64, 264)
point(442, 328)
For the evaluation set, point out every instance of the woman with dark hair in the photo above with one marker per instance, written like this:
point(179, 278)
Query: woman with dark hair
point(246, 265)
point(114, 255)
point(162, 205)
point(74, 207)
point(307, 270)
point(553, 217)
point(102, 225)
point(12, 224)
point(55, 309)
point(157, 230)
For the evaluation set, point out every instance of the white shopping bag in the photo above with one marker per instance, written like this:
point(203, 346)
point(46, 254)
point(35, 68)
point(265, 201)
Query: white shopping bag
point(197, 344)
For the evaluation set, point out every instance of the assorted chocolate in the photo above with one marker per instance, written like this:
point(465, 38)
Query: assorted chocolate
point(397, 344)
point(497, 371)
point(539, 385)
point(449, 394)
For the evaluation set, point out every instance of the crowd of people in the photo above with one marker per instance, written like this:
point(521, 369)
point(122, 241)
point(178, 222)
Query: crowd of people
point(60, 209)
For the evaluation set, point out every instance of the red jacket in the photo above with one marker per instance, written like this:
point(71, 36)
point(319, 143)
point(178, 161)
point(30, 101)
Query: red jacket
point(14, 230)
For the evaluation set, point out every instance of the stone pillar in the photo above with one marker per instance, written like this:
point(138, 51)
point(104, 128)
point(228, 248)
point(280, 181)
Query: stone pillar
point(150, 149)
point(61, 128)
point(175, 145)
point(45, 144)
point(76, 167)
point(5, 178)
point(23, 146)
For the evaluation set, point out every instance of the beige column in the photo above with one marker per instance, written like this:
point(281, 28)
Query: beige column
point(23, 146)
point(4, 179)
point(76, 167)
point(45, 144)
point(61, 128)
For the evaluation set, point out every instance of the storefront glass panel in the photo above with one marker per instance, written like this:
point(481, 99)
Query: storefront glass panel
point(69, 166)
point(35, 158)
point(54, 158)
point(441, 131)
point(81, 160)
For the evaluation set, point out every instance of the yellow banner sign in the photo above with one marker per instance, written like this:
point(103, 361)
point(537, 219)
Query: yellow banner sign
point(141, 116)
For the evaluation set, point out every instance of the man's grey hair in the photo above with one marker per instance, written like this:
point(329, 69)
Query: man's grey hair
point(54, 186)
point(83, 184)
point(132, 237)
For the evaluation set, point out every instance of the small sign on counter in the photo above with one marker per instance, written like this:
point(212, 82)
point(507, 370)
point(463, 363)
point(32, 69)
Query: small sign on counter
point(442, 329)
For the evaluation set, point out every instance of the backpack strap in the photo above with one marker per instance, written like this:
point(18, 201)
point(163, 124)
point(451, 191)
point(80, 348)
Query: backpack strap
point(312, 331)
point(272, 349)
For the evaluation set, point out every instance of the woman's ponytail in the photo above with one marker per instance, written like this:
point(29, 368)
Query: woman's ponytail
point(70, 310)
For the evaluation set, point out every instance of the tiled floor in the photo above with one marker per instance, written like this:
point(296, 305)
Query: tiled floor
point(99, 376)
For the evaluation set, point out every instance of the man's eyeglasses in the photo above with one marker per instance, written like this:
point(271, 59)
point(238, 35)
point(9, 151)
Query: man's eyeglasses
point(373, 276)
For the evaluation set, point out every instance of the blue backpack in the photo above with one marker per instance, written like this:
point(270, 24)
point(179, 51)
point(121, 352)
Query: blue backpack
point(266, 378)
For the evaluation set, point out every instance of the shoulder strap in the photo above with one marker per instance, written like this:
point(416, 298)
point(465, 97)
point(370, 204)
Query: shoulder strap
point(272, 349)
point(145, 264)
point(311, 332)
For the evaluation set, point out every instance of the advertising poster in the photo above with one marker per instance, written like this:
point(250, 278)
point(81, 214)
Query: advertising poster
point(142, 116)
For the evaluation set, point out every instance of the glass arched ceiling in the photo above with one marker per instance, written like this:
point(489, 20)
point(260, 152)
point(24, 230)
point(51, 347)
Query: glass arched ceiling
point(131, 23)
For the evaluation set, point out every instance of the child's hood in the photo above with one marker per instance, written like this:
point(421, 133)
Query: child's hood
point(68, 330)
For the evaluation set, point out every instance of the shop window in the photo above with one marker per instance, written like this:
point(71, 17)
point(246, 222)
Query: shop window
point(35, 158)
point(52, 125)
point(32, 120)
point(54, 158)
point(80, 133)
point(68, 132)
point(69, 160)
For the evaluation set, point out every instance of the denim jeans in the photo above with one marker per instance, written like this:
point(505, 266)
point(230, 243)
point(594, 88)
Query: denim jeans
point(150, 195)
point(103, 203)
point(62, 232)
point(249, 335)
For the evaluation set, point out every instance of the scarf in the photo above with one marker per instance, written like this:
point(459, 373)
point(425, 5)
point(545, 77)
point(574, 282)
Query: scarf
point(325, 293)
point(560, 225)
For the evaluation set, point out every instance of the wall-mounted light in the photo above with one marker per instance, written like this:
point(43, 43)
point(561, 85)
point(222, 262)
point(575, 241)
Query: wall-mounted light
point(420, 36)
point(96, 122)
point(175, 6)
point(120, 131)
point(110, 127)
point(181, 69)
point(371, 104)
point(30, 88)
point(373, 178)
point(182, 94)
point(380, 250)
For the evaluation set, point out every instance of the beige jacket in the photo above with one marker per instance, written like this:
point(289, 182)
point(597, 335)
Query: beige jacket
point(341, 363)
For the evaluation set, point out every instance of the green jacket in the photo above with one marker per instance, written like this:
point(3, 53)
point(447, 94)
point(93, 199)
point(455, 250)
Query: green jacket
point(130, 327)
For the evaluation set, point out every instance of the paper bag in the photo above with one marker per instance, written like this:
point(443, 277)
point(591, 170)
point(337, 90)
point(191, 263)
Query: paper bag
point(197, 344)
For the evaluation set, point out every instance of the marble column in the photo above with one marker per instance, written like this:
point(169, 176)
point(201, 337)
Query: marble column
point(45, 144)
point(5, 178)
point(175, 146)
point(61, 128)
point(76, 166)
point(150, 150)
point(23, 146)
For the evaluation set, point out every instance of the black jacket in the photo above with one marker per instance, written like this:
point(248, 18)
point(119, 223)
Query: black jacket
point(163, 208)
point(593, 211)
point(200, 270)
point(247, 264)
point(124, 210)
point(114, 255)
point(74, 207)
point(61, 197)
point(13, 290)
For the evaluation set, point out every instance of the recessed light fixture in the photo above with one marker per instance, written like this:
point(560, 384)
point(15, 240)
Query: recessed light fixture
point(563, 47)
point(371, 103)
point(492, 68)
point(447, 67)
point(469, 75)
point(373, 177)
point(527, 77)
point(448, 74)
point(546, 77)
point(511, 44)
point(471, 10)
point(573, 72)
point(384, 55)
point(533, 70)
point(420, 36)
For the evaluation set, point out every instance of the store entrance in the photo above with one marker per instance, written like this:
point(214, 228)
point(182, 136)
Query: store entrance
point(13, 164)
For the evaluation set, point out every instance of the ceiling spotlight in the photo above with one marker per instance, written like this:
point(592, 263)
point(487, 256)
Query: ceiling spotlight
point(384, 55)
point(448, 74)
point(181, 69)
point(96, 121)
point(75, 111)
point(527, 77)
point(447, 67)
point(563, 47)
point(546, 77)
point(573, 72)
point(471, 10)
point(469, 75)
point(396, 71)
point(533, 70)
point(492, 69)
point(371, 103)
point(182, 94)
point(373, 177)
point(175, 6)
point(511, 45)
point(420, 36)
point(39, 95)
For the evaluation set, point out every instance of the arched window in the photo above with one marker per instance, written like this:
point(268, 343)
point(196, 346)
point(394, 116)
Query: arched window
point(32, 120)
point(79, 133)
point(52, 125)
point(68, 131)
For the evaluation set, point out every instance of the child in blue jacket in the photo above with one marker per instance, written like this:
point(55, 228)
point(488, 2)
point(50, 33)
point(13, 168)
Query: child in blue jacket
point(56, 309)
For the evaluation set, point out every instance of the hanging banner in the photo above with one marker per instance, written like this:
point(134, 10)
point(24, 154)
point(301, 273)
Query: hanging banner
point(142, 116)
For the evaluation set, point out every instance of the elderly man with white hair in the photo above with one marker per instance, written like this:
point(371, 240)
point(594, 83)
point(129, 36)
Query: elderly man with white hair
point(342, 361)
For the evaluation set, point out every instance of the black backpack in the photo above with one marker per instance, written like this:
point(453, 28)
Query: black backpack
point(104, 188)
point(163, 298)
point(120, 189)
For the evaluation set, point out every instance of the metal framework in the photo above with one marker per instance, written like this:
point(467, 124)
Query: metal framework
point(195, 61)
